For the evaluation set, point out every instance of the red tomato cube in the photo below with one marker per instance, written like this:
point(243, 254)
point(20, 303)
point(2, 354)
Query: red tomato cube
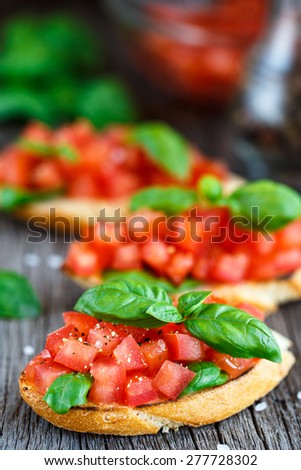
point(128, 353)
point(106, 337)
point(55, 339)
point(255, 312)
point(109, 381)
point(140, 391)
point(46, 373)
point(76, 355)
point(155, 354)
point(82, 322)
point(172, 379)
point(41, 358)
point(127, 257)
point(233, 366)
point(156, 255)
point(230, 268)
point(179, 266)
point(83, 260)
point(183, 347)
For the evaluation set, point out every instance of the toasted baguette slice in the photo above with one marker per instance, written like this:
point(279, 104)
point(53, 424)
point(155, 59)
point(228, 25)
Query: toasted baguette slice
point(265, 295)
point(205, 407)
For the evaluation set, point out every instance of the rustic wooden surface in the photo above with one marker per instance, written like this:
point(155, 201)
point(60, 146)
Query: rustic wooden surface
point(276, 427)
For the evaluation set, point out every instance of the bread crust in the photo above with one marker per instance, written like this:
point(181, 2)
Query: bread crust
point(205, 407)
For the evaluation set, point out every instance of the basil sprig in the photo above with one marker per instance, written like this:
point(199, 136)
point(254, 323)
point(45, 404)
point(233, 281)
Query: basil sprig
point(68, 390)
point(17, 297)
point(165, 147)
point(227, 329)
point(11, 198)
point(207, 375)
point(64, 151)
point(130, 303)
point(172, 200)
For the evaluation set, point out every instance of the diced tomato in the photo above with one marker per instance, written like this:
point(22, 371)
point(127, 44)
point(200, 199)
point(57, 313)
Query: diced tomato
point(230, 268)
point(121, 183)
point(156, 255)
point(46, 373)
point(84, 185)
point(83, 260)
point(201, 268)
point(128, 353)
point(179, 266)
point(54, 340)
point(183, 347)
point(155, 354)
point(140, 391)
point(106, 337)
point(232, 365)
point(18, 169)
point(289, 236)
point(287, 261)
point(41, 358)
point(109, 381)
point(76, 355)
point(47, 175)
point(82, 322)
point(37, 132)
point(255, 312)
point(173, 328)
point(172, 379)
point(126, 257)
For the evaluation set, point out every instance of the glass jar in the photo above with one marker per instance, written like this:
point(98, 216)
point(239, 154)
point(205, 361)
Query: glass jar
point(268, 118)
point(190, 49)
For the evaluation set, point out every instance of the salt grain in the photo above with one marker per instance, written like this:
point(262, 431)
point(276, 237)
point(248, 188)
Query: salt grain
point(299, 395)
point(165, 429)
point(222, 447)
point(54, 261)
point(261, 406)
point(28, 350)
point(31, 260)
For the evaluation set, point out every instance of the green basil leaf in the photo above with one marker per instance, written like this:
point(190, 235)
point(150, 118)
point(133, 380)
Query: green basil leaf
point(210, 188)
point(232, 331)
point(17, 297)
point(68, 390)
point(165, 313)
point(105, 101)
point(126, 302)
point(165, 147)
point(190, 302)
point(140, 276)
point(274, 201)
point(12, 198)
point(67, 152)
point(207, 375)
point(172, 200)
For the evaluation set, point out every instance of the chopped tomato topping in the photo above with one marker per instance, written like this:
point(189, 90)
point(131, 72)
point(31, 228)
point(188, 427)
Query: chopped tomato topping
point(172, 379)
point(183, 347)
point(140, 391)
point(76, 355)
point(82, 322)
point(109, 381)
point(129, 354)
point(155, 354)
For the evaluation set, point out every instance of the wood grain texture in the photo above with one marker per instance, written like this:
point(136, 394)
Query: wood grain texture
point(277, 427)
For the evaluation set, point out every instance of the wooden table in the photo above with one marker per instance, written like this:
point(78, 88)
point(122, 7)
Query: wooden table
point(278, 426)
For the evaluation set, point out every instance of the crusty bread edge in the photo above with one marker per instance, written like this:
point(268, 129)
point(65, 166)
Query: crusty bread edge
point(205, 407)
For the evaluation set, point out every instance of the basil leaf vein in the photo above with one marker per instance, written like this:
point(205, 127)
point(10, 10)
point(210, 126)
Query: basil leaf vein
point(68, 390)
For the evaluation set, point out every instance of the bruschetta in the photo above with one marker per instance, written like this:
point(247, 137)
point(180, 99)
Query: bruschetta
point(129, 361)
point(204, 237)
point(75, 171)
